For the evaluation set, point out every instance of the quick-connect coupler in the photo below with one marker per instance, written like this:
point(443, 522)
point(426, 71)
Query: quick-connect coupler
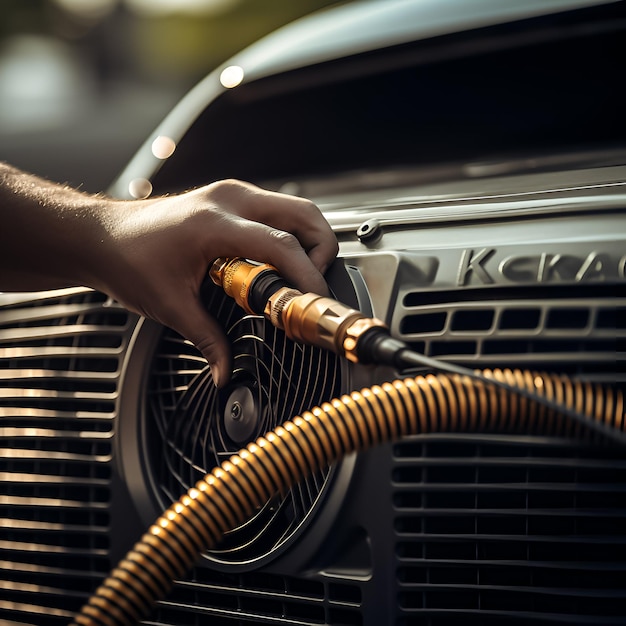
point(307, 318)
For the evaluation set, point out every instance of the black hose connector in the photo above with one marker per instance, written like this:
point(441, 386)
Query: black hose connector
point(262, 287)
point(377, 347)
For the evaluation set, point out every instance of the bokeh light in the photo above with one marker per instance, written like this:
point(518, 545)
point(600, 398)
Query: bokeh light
point(163, 147)
point(140, 188)
point(231, 76)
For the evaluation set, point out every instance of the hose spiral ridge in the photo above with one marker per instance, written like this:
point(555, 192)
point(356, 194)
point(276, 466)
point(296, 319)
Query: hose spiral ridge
point(230, 493)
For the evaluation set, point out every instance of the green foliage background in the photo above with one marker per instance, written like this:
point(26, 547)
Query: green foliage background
point(178, 47)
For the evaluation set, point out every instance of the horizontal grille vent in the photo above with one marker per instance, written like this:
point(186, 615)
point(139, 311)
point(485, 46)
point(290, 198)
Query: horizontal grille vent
point(504, 527)
point(233, 599)
point(535, 328)
point(60, 360)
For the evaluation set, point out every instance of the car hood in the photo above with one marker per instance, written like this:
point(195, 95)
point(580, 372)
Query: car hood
point(358, 27)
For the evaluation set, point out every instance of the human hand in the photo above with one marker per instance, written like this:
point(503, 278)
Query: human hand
point(156, 254)
point(153, 255)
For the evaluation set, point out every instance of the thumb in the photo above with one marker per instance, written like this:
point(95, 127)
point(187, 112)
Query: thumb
point(206, 334)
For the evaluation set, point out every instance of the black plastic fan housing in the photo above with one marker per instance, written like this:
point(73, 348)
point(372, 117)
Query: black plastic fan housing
point(195, 426)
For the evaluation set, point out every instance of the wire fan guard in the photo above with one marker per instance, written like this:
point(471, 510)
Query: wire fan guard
point(192, 426)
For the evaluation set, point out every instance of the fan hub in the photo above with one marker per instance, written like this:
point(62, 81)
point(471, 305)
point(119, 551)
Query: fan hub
point(241, 415)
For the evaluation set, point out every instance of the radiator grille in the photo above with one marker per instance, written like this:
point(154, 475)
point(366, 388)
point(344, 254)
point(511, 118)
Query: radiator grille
point(234, 599)
point(486, 529)
point(530, 530)
point(544, 326)
point(60, 358)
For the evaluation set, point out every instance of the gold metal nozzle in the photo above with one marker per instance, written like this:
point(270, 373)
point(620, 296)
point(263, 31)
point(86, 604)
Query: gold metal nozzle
point(319, 321)
point(305, 317)
point(235, 277)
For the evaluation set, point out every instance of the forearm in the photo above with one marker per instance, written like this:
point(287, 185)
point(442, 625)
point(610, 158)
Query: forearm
point(49, 233)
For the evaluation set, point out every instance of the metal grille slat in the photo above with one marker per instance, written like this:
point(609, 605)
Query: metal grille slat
point(97, 417)
point(498, 526)
point(262, 598)
point(45, 352)
point(510, 326)
point(60, 363)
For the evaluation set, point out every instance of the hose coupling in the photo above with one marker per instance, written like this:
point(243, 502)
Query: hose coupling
point(249, 284)
point(305, 317)
point(320, 321)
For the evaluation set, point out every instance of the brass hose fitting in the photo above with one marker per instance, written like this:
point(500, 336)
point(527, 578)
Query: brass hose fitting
point(236, 277)
point(319, 321)
point(229, 495)
point(306, 318)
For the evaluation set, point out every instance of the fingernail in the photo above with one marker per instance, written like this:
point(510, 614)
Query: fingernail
point(215, 373)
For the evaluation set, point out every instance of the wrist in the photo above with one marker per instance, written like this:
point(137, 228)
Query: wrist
point(51, 234)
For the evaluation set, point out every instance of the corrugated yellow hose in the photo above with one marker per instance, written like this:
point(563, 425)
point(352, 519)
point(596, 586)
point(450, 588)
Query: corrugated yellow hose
point(229, 495)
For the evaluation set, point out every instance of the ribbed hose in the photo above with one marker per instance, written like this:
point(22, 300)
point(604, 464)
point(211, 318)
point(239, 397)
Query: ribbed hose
point(229, 495)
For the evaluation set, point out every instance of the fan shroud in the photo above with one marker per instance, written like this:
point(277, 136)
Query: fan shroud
point(185, 425)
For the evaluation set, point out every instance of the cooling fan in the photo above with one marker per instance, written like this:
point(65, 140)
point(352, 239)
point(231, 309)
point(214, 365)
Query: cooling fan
point(191, 426)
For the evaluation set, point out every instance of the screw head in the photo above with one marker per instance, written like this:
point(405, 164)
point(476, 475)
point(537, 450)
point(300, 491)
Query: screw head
point(236, 410)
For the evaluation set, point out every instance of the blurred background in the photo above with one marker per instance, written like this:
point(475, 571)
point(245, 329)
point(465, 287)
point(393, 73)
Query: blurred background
point(84, 82)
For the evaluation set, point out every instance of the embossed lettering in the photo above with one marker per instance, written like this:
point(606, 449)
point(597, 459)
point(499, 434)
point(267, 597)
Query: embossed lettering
point(520, 269)
point(553, 265)
point(540, 268)
point(593, 267)
point(473, 263)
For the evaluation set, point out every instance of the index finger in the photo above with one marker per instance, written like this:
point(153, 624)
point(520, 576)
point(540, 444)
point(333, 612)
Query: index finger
point(291, 214)
point(265, 244)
